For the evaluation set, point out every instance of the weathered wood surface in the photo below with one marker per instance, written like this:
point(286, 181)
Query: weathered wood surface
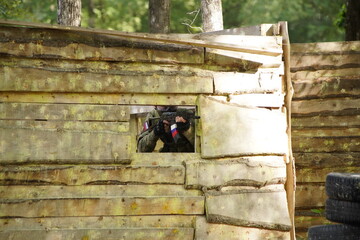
point(310, 196)
point(332, 87)
point(249, 131)
point(50, 44)
point(104, 222)
point(29, 144)
point(212, 231)
point(64, 112)
point(325, 74)
point(326, 121)
point(321, 48)
point(327, 60)
point(315, 175)
point(326, 144)
point(188, 39)
point(91, 174)
point(99, 234)
point(100, 98)
point(101, 205)
point(91, 191)
point(50, 80)
point(304, 222)
point(331, 106)
point(258, 30)
point(327, 160)
point(275, 100)
point(327, 132)
point(236, 83)
point(253, 208)
point(247, 61)
point(250, 171)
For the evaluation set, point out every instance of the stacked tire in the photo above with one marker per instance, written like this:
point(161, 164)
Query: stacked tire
point(342, 206)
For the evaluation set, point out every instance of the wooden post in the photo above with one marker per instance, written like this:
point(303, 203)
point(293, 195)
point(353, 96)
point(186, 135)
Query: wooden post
point(290, 184)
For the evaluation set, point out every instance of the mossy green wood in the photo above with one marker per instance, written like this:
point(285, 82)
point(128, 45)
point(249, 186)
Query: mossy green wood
point(64, 112)
point(103, 205)
point(233, 130)
point(47, 80)
point(91, 174)
point(104, 222)
point(99, 234)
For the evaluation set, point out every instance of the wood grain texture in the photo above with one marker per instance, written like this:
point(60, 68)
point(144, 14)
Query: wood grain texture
point(250, 131)
point(91, 174)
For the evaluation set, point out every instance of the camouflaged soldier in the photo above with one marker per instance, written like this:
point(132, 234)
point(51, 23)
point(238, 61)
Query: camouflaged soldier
point(178, 136)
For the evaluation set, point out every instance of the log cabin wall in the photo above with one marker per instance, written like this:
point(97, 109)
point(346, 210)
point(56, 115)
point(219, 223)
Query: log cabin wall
point(325, 122)
point(69, 167)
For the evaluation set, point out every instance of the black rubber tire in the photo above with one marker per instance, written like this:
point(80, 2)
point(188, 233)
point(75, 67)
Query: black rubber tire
point(334, 232)
point(342, 211)
point(343, 186)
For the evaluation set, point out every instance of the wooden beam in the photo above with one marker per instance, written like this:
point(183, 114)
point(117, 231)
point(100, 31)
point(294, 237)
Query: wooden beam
point(153, 37)
point(91, 174)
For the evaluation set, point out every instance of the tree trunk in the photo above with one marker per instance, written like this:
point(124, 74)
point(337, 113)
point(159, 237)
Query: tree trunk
point(352, 24)
point(212, 15)
point(159, 16)
point(69, 12)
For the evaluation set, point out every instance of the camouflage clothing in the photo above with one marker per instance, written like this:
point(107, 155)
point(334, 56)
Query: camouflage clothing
point(147, 139)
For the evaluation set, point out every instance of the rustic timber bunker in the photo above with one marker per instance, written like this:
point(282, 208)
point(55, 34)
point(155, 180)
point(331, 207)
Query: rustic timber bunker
point(69, 166)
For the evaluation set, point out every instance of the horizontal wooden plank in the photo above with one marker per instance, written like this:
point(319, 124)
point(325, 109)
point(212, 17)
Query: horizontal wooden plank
point(250, 171)
point(311, 175)
point(21, 144)
point(257, 30)
point(114, 206)
point(332, 87)
point(324, 61)
point(99, 98)
point(248, 131)
point(275, 100)
point(326, 121)
point(237, 83)
point(325, 74)
point(92, 191)
point(249, 209)
point(310, 196)
point(325, 144)
point(319, 48)
point(128, 234)
point(212, 231)
point(46, 80)
point(321, 160)
point(91, 174)
point(326, 132)
point(316, 106)
point(67, 126)
point(69, 112)
point(50, 44)
point(105, 222)
point(246, 61)
point(188, 39)
point(163, 159)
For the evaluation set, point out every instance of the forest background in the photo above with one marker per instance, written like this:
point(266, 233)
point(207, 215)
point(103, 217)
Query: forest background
point(308, 20)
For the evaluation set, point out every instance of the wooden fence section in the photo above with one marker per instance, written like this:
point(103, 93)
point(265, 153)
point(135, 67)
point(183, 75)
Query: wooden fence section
point(68, 162)
point(325, 121)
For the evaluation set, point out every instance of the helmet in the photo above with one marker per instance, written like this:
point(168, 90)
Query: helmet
point(166, 108)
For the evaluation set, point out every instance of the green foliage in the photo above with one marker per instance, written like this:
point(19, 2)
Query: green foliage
point(308, 20)
point(10, 8)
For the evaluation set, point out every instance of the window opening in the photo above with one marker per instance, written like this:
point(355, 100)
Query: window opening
point(169, 128)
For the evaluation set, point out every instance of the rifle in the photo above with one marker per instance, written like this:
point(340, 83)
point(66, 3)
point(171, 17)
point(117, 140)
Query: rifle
point(170, 116)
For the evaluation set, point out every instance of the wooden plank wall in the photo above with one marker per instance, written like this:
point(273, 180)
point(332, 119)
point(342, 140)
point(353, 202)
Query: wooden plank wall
point(325, 121)
point(69, 167)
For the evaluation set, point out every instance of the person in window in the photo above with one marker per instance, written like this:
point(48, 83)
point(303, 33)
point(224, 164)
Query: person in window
point(177, 136)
